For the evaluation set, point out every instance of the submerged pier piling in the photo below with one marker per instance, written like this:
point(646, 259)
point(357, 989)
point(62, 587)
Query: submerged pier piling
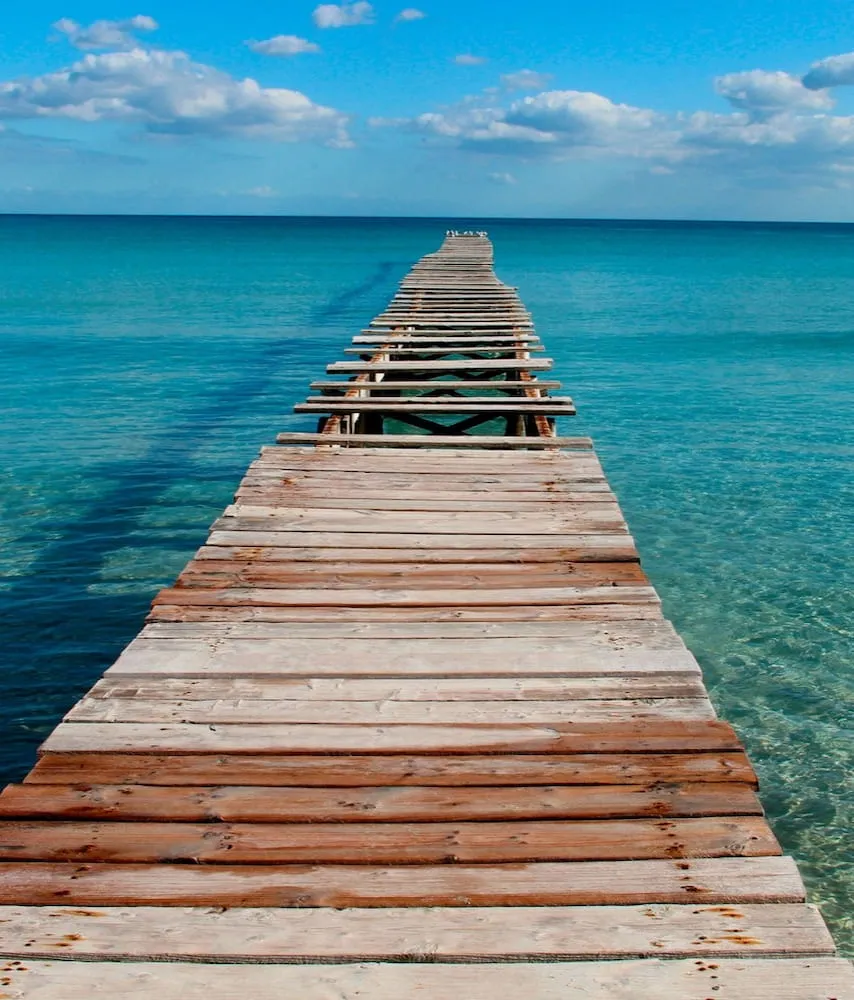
point(410, 723)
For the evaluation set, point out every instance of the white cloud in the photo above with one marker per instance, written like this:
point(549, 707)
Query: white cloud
point(168, 93)
point(345, 15)
point(526, 79)
point(502, 178)
point(411, 14)
point(283, 45)
point(555, 122)
point(263, 191)
point(835, 71)
point(106, 34)
point(467, 59)
point(763, 93)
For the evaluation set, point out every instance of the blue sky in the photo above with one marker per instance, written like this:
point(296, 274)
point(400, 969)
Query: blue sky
point(670, 110)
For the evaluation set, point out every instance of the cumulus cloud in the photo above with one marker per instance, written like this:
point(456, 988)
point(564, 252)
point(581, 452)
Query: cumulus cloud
point(762, 93)
point(500, 177)
point(106, 34)
point(835, 71)
point(467, 59)
point(345, 15)
point(411, 14)
point(553, 122)
point(526, 79)
point(169, 93)
point(283, 45)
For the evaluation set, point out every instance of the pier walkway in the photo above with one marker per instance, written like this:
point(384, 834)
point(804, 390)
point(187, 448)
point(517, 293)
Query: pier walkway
point(409, 724)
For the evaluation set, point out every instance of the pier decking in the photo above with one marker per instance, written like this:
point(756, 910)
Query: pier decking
point(411, 723)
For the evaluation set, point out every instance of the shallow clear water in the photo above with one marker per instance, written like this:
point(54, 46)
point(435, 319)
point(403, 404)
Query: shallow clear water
point(143, 361)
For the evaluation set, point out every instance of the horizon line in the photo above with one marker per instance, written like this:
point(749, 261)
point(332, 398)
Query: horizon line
point(635, 220)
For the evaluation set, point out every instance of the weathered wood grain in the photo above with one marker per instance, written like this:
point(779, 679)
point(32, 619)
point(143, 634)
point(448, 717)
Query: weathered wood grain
point(636, 979)
point(405, 770)
point(698, 881)
point(487, 688)
point(246, 710)
point(387, 843)
point(631, 737)
point(391, 597)
point(252, 804)
point(451, 934)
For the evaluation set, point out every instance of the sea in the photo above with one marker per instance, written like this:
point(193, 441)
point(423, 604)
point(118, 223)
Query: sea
point(143, 361)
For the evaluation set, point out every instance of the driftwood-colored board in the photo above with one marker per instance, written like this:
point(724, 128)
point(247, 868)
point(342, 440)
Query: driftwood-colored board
point(407, 688)
point(509, 407)
point(421, 440)
point(506, 459)
point(582, 547)
point(448, 385)
point(385, 339)
point(639, 638)
point(387, 843)
point(521, 658)
point(400, 483)
point(480, 365)
point(583, 467)
point(698, 881)
point(630, 737)
point(634, 979)
point(450, 934)
point(565, 519)
point(251, 804)
point(370, 614)
point(542, 464)
point(281, 547)
point(391, 597)
point(276, 495)
point(225, 573)
point(352, 482)
point(607, 613)
point(372, 770)
point(246, 710)
point(598, 519)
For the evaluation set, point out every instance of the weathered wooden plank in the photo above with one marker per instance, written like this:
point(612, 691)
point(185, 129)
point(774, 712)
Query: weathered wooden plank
point(500, 385)
point(634, 979)
point(376, 656)
point(605, 547)
point(390, 556)
point(387, 843)
point(458, 365)
point(608, 613)
point(584, 516)
point(541, 405)
point(429, 440)
point(246, 710)
point(698, 881)
point(371, 770)
point(390, 597)
point(307, 575)
point(396, 688)
point(637, 637)
point(382, 338)
point(252, 804)
point(630, 737)
point(409, 934)
point(346, 484)
point(276, 494)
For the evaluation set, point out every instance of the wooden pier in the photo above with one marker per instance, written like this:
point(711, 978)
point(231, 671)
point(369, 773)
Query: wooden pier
point(409, 724)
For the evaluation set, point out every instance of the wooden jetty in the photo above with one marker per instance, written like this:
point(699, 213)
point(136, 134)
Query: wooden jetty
point(409, 724)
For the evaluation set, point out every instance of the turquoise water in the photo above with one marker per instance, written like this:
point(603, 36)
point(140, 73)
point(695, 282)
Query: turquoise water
point(145, 360)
